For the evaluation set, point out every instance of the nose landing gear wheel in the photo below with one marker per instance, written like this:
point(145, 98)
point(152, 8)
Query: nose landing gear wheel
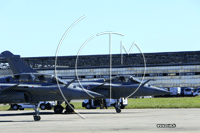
point(118, 110)
point(117, 107)
point(37, 113)
point(36, 118)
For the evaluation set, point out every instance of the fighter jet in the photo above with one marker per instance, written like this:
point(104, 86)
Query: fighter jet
point(121, 86)
point(28, 86)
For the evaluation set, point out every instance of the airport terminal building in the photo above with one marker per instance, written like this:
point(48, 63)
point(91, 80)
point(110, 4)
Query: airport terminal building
point(168, 69)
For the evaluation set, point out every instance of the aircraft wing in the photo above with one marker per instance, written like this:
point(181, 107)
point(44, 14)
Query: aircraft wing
point(14, 88)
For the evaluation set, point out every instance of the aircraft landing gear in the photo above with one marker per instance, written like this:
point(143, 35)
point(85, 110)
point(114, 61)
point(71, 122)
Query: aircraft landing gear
point(117, 106)
point(118, 110)
point(58, 109)
point(101, 104)
point(69, 110)
point(37, 118)
point(37, 113)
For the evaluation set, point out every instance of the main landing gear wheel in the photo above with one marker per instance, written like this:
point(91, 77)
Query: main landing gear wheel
point(36, 118)
point(48, 106)
point(58, 109)
point(69, 109)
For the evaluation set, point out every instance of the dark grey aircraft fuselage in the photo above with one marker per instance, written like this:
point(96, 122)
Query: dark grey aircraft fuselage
point(31, 90)
point(121, 88)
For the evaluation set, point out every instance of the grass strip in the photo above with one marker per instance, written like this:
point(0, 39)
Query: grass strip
point(181, 102)
point(148, 103)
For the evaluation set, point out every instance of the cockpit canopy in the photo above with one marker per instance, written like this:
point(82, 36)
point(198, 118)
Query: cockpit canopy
point(123, 79)
point(32, 77)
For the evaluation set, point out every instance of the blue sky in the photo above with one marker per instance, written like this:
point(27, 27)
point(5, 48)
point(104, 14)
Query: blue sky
point(34, 28)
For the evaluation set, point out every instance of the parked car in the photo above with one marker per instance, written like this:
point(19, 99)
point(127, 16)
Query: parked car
point(94, 103)
point(43, 105)
point(188, 91)
point(197, 92)
point(146, 96)
point(175, 91)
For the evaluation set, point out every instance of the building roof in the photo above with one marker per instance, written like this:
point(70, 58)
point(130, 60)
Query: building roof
point(118, 60)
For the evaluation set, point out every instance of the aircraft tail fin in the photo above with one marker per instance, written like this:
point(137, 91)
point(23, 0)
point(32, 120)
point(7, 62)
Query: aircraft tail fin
point(16, 64)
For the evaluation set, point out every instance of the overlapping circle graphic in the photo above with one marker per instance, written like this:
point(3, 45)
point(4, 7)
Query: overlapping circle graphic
point(87, 41)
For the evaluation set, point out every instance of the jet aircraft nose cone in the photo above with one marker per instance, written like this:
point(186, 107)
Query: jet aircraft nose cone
point(150, 91)
point(153, 90)
point(159, 91)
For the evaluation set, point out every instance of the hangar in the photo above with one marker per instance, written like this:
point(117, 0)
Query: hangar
point(168, 69)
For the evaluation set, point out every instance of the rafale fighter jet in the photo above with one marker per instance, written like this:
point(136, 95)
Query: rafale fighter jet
point(28, 86)
point(121, 86)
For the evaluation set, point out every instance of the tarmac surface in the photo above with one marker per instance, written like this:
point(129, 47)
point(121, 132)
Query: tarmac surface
point(107, 120)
